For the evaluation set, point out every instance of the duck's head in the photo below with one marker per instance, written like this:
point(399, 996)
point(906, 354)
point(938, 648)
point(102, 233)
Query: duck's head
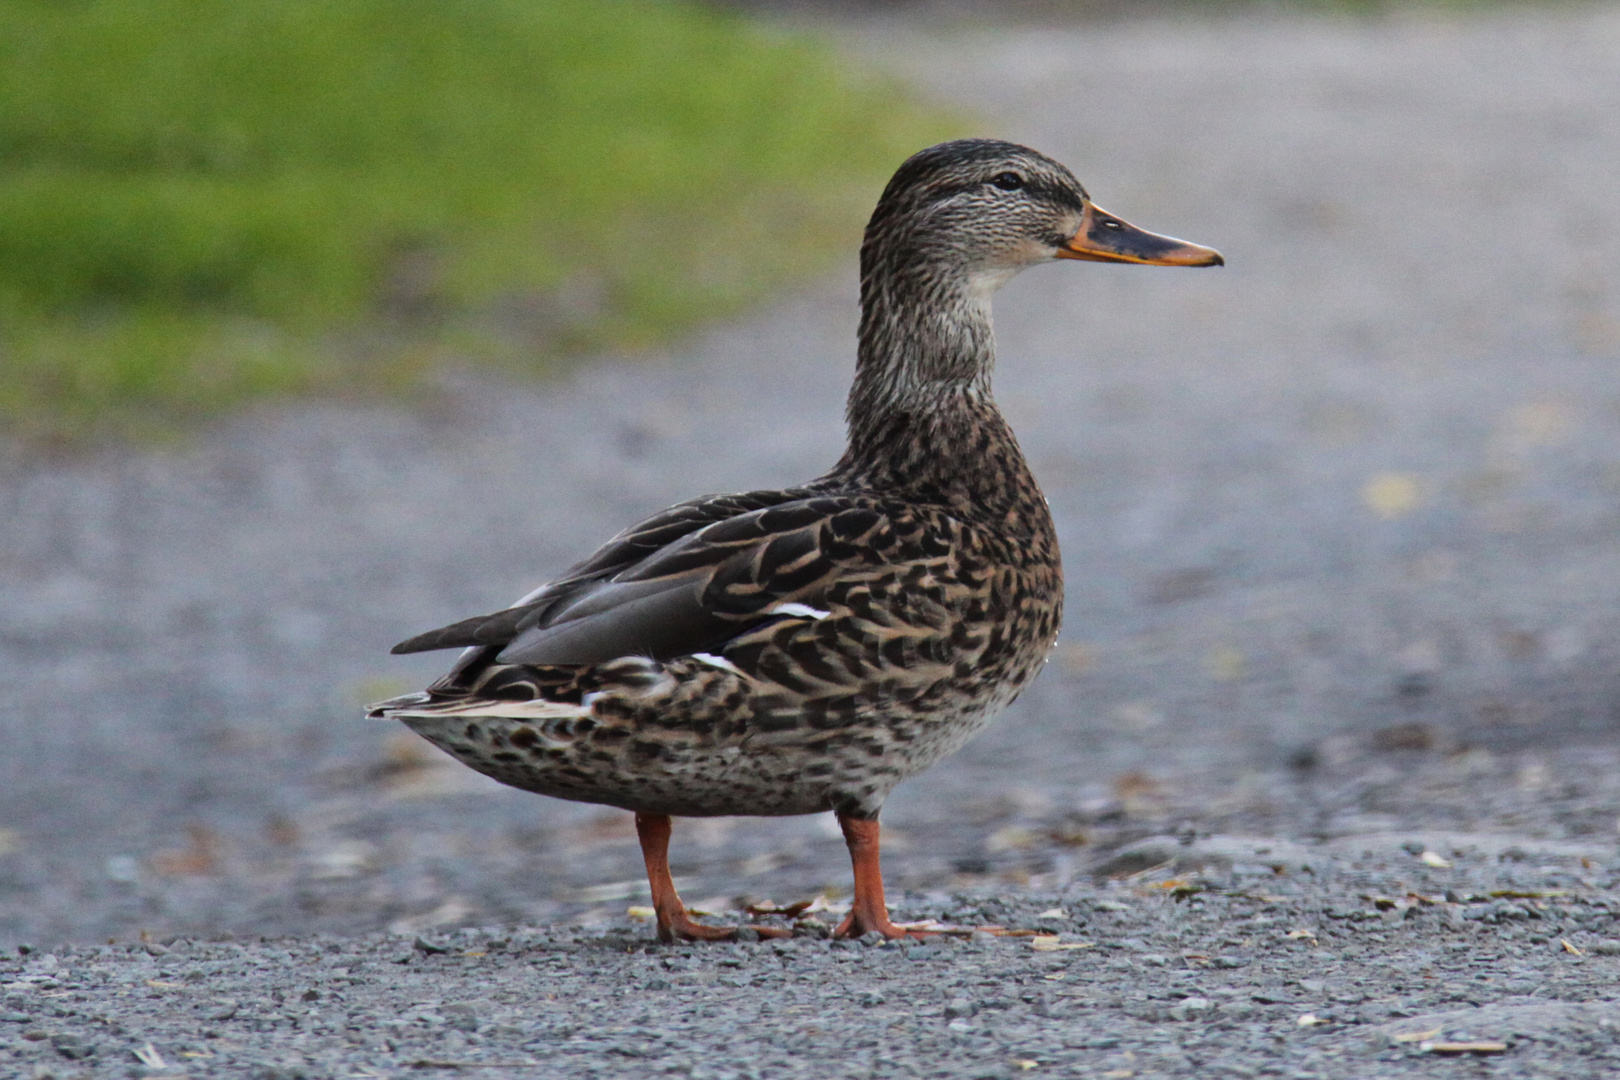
point(980, 210)
point(955, 223)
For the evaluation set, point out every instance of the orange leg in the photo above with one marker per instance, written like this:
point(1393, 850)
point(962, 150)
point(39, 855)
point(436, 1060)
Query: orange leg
point(674, 924)
point(869, 911)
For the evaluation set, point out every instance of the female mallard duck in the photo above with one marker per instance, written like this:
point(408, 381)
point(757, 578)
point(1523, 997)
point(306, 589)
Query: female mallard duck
point(796, 651)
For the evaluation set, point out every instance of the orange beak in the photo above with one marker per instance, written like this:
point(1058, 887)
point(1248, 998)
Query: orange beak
point(1102, 237)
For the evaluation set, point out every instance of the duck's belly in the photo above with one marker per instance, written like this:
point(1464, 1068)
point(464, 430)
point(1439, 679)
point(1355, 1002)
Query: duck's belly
point(781, 764)
point(697, 779)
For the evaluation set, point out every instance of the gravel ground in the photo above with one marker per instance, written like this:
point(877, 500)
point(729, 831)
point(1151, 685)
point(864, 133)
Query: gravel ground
point(1215, 955)
point(1339, 527)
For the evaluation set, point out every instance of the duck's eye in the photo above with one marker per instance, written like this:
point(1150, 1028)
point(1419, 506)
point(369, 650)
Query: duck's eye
point(1008, 181)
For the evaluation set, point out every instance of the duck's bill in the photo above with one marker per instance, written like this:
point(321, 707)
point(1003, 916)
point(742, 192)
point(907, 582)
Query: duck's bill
point(1105, 238)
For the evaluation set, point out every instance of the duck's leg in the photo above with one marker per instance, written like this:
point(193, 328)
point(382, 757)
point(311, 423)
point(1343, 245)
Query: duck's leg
point(869, 911)
point(674, 924)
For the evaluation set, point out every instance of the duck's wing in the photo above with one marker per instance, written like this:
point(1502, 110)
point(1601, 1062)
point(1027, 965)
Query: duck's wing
point(683, 581)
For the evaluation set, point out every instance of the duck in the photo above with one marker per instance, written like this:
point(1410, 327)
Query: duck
point(804, 650)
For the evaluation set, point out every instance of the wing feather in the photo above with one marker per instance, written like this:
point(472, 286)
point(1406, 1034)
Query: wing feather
point(628, 548)
point(685, 581)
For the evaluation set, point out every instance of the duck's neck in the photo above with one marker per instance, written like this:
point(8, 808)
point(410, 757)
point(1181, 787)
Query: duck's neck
point(925, 339)
point(920, 413)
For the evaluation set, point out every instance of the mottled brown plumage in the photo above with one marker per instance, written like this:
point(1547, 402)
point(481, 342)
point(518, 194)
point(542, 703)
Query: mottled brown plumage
point(802, 650)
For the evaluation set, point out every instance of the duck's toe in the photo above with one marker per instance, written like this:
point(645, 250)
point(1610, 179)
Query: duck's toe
point(678, 925)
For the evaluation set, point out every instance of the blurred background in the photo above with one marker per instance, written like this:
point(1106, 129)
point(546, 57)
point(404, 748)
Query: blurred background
point(324, 324)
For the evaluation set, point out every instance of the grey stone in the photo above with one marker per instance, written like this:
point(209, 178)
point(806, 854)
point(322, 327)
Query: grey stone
point(73, 1047)
point(1192, 1008)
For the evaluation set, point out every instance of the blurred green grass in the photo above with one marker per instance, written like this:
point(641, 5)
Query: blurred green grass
point(205, 203)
